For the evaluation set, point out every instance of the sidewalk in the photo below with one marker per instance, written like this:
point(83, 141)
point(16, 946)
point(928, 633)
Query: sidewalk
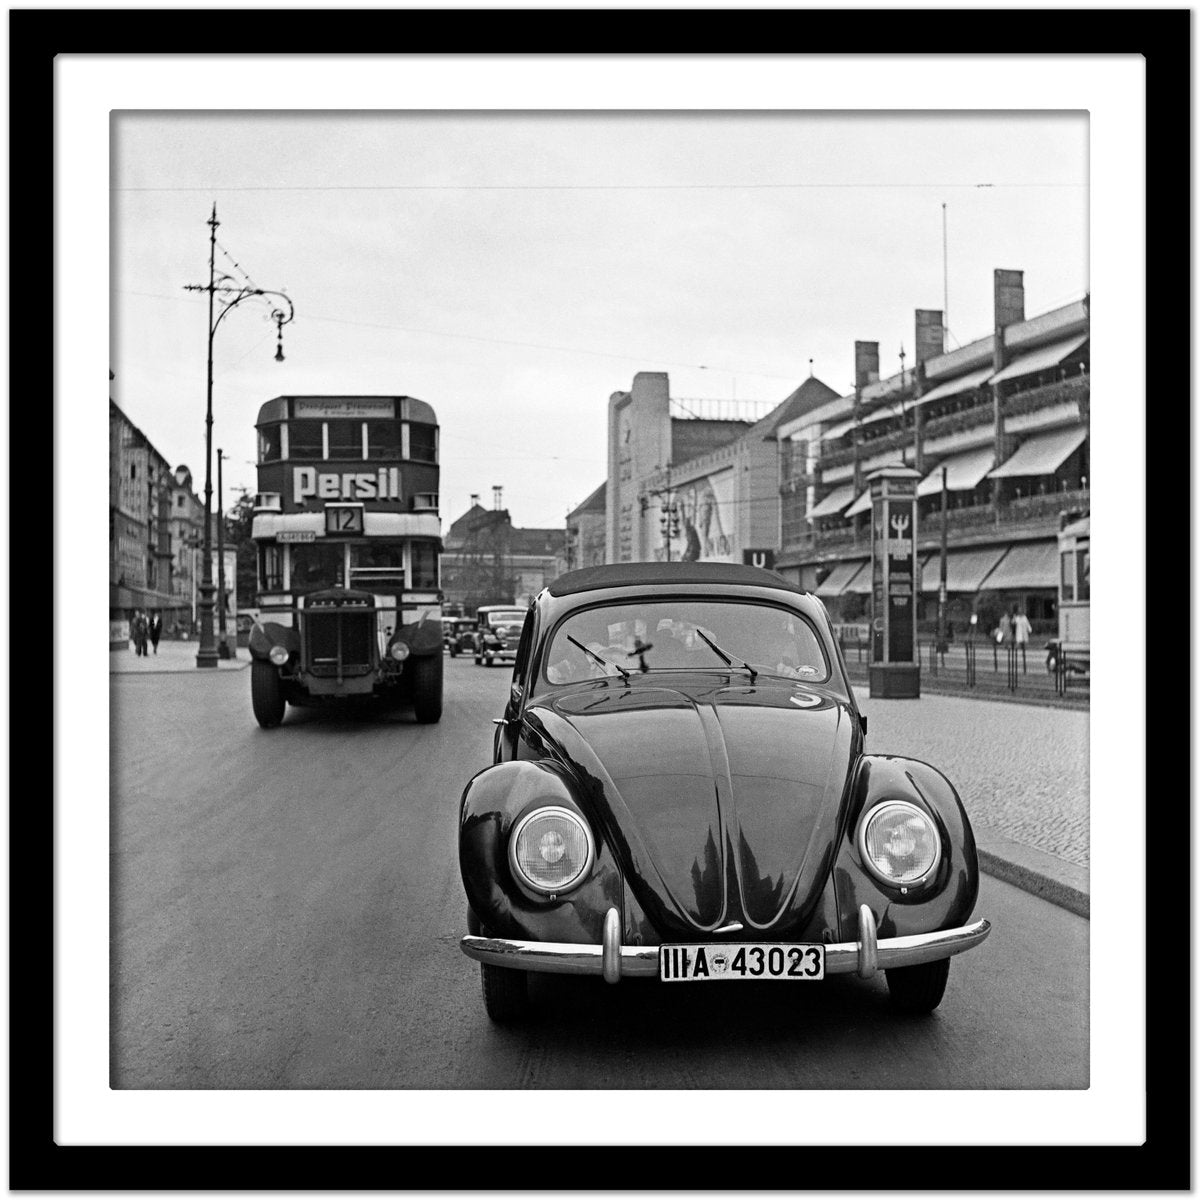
point(172, 656)
point(1022, 773)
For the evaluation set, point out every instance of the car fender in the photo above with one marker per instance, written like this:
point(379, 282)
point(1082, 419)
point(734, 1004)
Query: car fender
point(493, 801)
point(265, 635)
point(947, 899)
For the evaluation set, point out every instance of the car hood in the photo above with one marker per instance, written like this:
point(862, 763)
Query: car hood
point(724, 800)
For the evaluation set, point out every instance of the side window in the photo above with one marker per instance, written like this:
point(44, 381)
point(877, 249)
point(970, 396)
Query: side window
point(521, 662)
point(1068, 575)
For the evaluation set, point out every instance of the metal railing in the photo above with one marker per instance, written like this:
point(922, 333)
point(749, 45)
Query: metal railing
point(1032, 669)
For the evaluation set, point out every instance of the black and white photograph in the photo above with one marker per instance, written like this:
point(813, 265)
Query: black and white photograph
point(641, 548)
point(600, 604)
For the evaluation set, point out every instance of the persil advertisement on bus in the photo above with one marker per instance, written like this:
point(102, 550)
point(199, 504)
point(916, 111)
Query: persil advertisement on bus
point(378, 451)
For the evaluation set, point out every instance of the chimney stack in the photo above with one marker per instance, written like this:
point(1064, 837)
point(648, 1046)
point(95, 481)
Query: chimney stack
point(496, 490)
point(474, 499)
point(930, 333)
point(866, 364)
point(1008, 292)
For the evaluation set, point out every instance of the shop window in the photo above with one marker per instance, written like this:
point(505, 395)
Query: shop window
point(270, 444)
point(1083, 564)
point(424, 565)
point(345, 439)
point(422, 442)
point(383, 439)
point(306, 439)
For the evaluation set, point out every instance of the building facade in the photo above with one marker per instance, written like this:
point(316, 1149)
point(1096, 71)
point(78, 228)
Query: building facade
point(486, 560)
point(693, 479)
point(999, 431)
point(586, 540)
point(139, 527)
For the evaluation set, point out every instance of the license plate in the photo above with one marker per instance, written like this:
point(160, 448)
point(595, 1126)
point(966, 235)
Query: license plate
point(741, 960)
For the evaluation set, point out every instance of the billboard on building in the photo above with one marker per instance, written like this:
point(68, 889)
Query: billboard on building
point(705, 528)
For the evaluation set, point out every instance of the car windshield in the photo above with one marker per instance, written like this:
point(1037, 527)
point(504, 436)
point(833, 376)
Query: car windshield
point(515, 617)
point(667, 635)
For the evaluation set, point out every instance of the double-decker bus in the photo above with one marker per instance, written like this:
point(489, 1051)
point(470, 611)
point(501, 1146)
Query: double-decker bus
point(348, 535)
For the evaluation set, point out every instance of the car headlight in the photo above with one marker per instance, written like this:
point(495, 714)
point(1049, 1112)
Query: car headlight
point(551, 850)
point(278, 655)
point(399, 651)
point(899, 843)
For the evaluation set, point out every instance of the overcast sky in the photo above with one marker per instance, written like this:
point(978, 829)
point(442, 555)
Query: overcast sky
point(514, 271)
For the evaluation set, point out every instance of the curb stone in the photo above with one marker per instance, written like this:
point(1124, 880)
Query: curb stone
point(1032, 870)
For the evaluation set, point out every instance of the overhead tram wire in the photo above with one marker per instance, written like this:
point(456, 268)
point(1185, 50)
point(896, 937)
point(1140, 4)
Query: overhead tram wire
point(582, 187)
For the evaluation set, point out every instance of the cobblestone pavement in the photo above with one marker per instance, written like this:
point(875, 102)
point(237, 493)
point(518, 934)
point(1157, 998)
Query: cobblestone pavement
point(1021, 769)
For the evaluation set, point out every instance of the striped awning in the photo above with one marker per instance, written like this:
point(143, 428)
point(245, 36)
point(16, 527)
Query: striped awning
point(834, 502)
point(966, 570)
point(841, 577)
point(955, 387)
point(839, 430)
point(1041, 359)
point(963, 472)
point(1041, 454)
point(862, 504)
point(1027, 565)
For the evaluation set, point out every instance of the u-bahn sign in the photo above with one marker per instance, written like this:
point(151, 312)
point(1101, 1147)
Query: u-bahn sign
point(759, 558)
point(895, 670)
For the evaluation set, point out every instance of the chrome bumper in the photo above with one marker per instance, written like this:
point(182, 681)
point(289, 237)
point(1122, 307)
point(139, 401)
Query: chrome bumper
point(614, 961)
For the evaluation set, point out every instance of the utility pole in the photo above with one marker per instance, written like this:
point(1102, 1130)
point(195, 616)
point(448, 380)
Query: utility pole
point(941, 630)
point(222, 643)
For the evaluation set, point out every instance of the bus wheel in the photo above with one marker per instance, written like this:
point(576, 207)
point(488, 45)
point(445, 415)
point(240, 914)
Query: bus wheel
point(427, 689)
point(266, 694)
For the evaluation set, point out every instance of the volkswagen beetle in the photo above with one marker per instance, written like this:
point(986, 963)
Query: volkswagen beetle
point(680, 790)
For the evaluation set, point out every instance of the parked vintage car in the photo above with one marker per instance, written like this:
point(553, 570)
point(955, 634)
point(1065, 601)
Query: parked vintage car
point(499, 629)
point(460, 635)
point(680, 790)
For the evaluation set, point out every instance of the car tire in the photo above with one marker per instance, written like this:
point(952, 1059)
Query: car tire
point(918, 989)
point(427, 689)
point(478, 661)
point(505, 993)
point(266, 694)
point(453, 652)
point(490, 661)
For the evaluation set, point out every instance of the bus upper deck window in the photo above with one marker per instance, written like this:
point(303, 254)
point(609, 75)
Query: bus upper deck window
point(306, 439)
point(1083, 562)
point(345, 439)
point(270, 443)
point(422, 442)
point(383, 439)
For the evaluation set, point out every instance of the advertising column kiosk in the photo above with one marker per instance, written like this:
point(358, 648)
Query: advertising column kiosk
point(895, 669)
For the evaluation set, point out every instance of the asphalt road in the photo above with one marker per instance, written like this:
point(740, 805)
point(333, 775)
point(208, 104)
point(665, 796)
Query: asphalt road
point(287, 909)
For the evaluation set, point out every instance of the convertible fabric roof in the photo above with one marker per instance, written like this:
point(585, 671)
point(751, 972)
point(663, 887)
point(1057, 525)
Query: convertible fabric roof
point(649, 574)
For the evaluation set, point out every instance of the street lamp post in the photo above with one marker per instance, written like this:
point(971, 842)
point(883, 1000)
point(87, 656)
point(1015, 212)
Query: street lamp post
point(231, 296)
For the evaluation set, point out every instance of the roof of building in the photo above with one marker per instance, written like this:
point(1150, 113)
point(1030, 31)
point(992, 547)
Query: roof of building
point(537, 541)
point(810, 395)
point(594, 503)
point(649, 574)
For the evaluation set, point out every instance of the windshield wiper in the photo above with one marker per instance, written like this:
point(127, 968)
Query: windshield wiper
point(601, 661)
point(728, 661)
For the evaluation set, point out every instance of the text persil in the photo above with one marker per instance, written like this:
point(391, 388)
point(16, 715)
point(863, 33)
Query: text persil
point(383, 484)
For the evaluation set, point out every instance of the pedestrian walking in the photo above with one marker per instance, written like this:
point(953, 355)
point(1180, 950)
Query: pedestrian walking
point(1000, 635)
point(155, 628)
point(140, 630)
point(1021, 629)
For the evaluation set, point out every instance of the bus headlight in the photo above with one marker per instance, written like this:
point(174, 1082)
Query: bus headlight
point(399, 651)
point(278, 655)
